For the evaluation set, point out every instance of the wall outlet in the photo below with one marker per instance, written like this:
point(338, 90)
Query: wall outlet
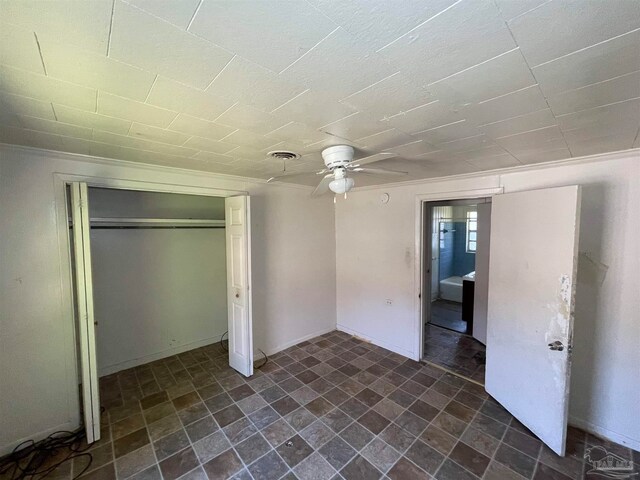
point(389, 301)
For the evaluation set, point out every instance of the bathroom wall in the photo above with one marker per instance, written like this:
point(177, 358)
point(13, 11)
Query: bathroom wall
point(454, 258)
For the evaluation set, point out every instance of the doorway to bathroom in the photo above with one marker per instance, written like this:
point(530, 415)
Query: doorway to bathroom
point(456, 276)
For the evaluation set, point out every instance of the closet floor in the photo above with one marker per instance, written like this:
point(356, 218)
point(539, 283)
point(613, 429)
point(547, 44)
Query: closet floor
point(330, 407)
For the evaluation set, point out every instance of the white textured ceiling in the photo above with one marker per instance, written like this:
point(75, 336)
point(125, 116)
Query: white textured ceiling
point(450, 86)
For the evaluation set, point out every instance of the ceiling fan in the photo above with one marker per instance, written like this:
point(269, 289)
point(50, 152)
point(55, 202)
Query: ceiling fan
point(340, 168)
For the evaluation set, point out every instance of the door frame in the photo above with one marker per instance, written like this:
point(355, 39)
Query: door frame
point(60, 181)
point(423, 288)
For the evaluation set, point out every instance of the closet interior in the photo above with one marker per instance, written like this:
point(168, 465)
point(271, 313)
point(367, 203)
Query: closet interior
point(159, 275)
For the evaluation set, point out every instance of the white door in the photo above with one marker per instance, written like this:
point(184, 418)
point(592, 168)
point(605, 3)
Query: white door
point(84, 306)
point(238, 275)
point(532, 279)
point(481, 286)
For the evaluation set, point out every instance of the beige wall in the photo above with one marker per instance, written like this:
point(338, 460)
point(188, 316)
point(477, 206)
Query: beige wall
point(376, 261)
point(293, 278)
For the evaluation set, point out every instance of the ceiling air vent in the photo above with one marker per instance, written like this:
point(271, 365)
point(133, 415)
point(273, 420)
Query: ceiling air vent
point(283, 155)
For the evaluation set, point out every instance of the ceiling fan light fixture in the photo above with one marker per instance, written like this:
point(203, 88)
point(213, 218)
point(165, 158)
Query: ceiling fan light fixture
point(341, 185)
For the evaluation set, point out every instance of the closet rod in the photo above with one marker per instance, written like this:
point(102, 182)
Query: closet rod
point(147, 227)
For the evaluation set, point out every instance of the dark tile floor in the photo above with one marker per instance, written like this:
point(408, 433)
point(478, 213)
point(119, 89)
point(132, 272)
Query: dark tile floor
point(448, 314)
point(330, 408)
point(462, 354)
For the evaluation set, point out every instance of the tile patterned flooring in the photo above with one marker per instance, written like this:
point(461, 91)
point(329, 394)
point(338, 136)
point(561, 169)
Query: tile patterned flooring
point(333, 407)
point(462, 354)
point(448, 314)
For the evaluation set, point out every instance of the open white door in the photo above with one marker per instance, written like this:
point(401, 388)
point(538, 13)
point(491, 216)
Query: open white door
point(532, 278)
point(481, 287)
point(238, 274)
point(84, 305)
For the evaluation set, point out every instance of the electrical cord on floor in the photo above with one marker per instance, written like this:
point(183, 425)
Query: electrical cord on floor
point(266, 359)
point(38, 459)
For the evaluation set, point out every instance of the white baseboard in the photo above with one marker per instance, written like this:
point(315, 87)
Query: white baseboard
point(67, 427)
point(605, 433)
point(109, 369)
point(380, 343)
point(284, 346)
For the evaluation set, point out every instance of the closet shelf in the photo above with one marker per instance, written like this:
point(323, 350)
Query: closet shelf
point(154, 222)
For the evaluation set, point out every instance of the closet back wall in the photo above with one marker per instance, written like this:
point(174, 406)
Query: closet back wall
point(157, 292)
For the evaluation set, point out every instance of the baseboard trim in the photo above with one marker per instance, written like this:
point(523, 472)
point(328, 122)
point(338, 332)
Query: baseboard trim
point(284, 346)
point(394, 348)
point(109, 369)
point(605, 433)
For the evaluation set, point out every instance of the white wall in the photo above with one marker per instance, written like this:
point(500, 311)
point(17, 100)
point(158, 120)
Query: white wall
point(157, 292)
point(293, 279)
point(375, 255)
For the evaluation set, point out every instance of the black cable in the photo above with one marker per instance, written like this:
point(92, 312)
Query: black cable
point(33, 459)
point(266, 359)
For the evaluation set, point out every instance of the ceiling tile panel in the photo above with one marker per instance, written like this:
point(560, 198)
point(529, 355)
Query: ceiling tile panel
point(179, 13)
point(214, 157)
point(93, 70)
point(610, 59)
point(465, 144)
point(385, 140)
point(593, 146)
point(530, 139)
point(138, 143)
point(414, 149)
point(248, 139)
point(200, 143)
point(498, 76)
point(447, 133)
point(81, 23)
point(54, 127)
point(379, 22)
point(430, 115)
point(468, 33)
point(152, 44)
point(91, 120)
point(615, 90)
point(155, 134)
point(531, 121)
point(120, 107)
point(390, 96)
point(491, 163)
point(297, 132)
point(356, 125)
point(26, 106)
point(562, 27)
point(246, 82)
point(172, 95)
point(607, 116)
point(539, 156)
point(510, 105)
point(514, 8)
point(313, 109)
point(271, 34)
point(189, 125)
point(18, 48)
point(339, 66)
point(249, 118)
point(22, 82)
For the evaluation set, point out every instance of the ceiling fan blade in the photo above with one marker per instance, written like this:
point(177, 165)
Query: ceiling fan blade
point(323, 186)
point(373, 158)
point(295, 174)
point(378, 171)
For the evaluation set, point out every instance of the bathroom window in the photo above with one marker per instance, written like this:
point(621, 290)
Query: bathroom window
point(472, 231)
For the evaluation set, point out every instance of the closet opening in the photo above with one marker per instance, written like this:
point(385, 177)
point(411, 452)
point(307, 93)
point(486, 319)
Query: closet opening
point(455, 277)
point(160, 285)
